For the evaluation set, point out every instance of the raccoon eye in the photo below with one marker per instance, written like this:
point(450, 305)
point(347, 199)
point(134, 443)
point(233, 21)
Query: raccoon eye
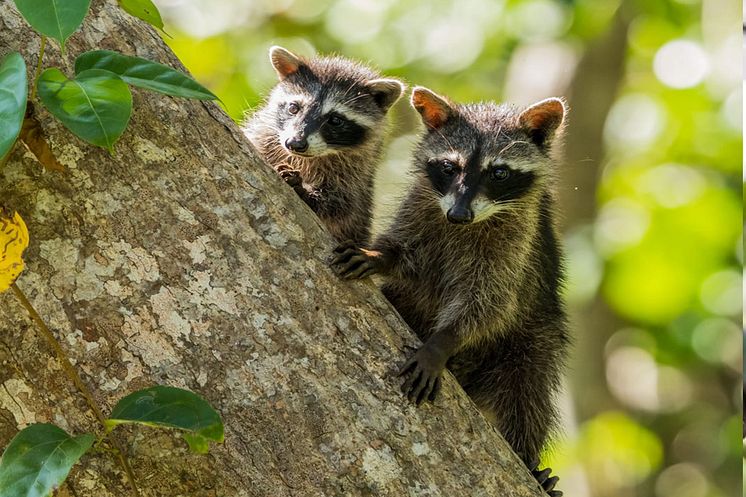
point(335, 121)
point(293, 108)
point(500, 173)
point(448, 167)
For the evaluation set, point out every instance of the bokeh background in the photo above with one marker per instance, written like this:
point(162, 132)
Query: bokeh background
point(651, 190)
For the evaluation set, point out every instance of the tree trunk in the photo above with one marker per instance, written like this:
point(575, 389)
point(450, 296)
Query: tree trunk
point(592, 93)
point(184, 260)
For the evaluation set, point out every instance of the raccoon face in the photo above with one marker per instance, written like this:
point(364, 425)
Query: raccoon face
point(328, 105)
point(484, 158)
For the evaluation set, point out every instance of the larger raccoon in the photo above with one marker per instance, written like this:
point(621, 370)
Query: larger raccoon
point(322, 130)
point(473, 264)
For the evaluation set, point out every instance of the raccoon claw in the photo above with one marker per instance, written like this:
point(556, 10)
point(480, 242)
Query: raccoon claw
point(351, 262)
point(347, 244)
point(550, 483)
point(541, 476)
point(547, 483)
point(291, 176)
point(424, 380)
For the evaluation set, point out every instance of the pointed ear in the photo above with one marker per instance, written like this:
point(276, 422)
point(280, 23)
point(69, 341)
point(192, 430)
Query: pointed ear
point(386, 91)
point(543, 120)
point(434, 109)
point(284, 61)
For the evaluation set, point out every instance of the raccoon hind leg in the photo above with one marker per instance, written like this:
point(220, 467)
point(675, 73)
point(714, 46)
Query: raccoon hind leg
point(514, 387)
point(542, 476)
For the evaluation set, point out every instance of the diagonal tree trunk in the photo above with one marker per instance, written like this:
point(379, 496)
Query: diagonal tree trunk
point(183, 260)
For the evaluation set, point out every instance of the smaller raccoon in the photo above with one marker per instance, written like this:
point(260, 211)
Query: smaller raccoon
point(472, 263)
point(322, 130)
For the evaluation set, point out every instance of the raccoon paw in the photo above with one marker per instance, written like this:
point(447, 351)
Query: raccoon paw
point(424, 370)
point(351, 262)
point(547, 483)
point(291, 176)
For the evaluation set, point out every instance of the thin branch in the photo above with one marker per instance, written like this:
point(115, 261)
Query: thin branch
point(72, 373)
point(38, 67)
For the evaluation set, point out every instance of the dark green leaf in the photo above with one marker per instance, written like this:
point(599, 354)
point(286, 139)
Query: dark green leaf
point(143, 9)
point(13, 94)
point(96, 105)
point(144, 73)
point(57, 19)
point(170, 407)
point(39, 459)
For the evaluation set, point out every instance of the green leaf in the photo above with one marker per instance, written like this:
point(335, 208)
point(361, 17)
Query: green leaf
point(144, 73)
point(143, 9)
point(96, 105)
point(169, 407)
point(39, 459)
point(13, 94)
point(57, 19)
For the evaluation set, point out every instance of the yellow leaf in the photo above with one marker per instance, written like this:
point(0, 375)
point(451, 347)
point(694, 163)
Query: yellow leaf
point(13, 241)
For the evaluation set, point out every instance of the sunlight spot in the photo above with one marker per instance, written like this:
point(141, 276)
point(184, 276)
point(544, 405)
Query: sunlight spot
point(681, 64)
point(718, 340)
point(538, 20)
point(355, 21)
point(721, 293)
point(634, 122)
point(633, 377)
point(453, 45)
point(621, 223)
point(681, 480)
point(673, 185)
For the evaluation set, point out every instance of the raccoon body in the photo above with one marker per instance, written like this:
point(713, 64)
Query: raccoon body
point(322, 129)
point(473, 264)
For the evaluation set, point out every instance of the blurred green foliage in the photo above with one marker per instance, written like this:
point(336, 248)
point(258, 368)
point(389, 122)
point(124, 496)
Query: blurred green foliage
point(663, 252)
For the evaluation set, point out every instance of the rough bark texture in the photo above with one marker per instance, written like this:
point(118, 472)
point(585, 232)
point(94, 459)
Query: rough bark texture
point(184, 260)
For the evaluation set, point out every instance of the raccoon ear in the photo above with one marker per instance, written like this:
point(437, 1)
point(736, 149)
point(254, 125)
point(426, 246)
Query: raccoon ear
point(434, 109)
point(284, 61)
point(385, 91)
point(543, 120)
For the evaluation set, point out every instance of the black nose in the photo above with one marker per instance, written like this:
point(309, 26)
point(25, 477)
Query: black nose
point(297, 144)
point(460, 215)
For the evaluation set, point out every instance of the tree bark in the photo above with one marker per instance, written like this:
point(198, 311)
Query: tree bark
point(183, 260)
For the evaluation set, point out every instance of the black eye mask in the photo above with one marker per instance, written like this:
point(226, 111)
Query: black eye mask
point(514, 186)
point(337, 130)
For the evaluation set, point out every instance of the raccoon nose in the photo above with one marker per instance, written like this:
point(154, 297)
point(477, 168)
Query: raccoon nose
point(460, 215)
point(297, 144)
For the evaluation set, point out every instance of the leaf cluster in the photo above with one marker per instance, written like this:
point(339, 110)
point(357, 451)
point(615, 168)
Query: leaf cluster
point(96, 103)
point(40, 457)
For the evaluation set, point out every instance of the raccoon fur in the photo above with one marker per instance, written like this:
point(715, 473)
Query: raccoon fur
point(322, 130)
point(473, 263)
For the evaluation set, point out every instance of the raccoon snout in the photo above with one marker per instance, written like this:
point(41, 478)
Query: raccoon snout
point(296, 144)
point(460, 215)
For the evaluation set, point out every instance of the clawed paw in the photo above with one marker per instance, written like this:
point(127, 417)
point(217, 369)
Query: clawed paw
point(544, 480)
point(351, 262)
point(291, 176)
point(423, 374)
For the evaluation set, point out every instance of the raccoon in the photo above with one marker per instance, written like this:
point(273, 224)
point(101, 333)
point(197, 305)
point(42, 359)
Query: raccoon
point(473, 264)
point(322, 130)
